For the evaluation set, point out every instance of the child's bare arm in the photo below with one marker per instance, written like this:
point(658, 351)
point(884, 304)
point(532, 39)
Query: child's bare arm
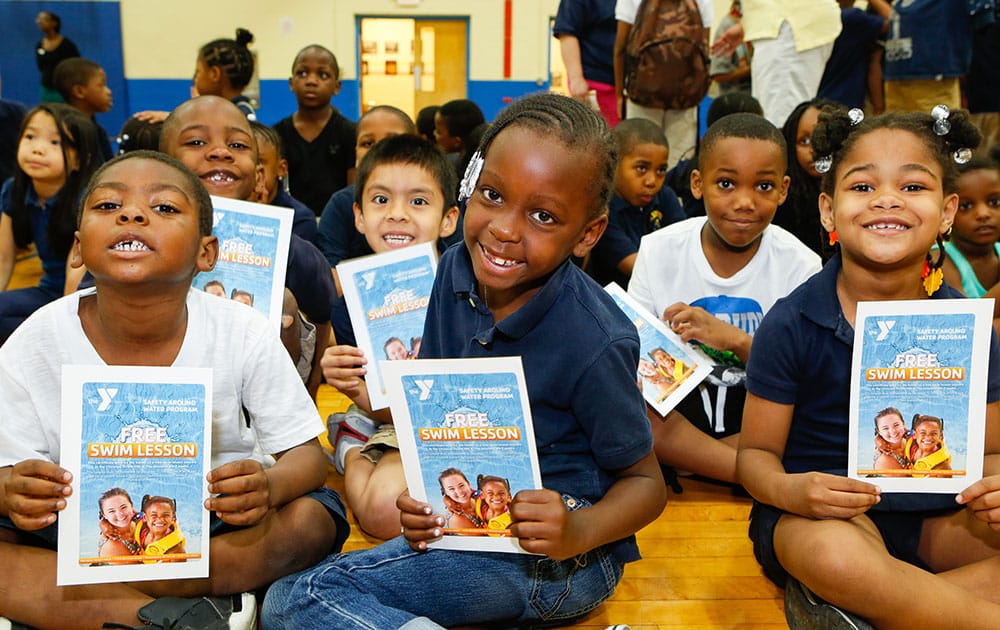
point(759, 469)
point(695, 323)
point(344, 368)
point(32, 492)
point(246, 490)
point(543, 524)
point(983, 497)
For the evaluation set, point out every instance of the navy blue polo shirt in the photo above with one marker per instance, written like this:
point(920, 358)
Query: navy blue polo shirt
point(627, 224)
point(338, 238)
point(304, 219)
point(53, 265)
point(309, 279)
point(579, 353)
point(802, 357)
point(593, 23)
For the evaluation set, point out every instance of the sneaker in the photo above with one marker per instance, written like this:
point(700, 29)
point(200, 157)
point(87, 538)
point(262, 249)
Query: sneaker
point(233, 612)
point(806, 611)
point(348, 430)
point(7, 624)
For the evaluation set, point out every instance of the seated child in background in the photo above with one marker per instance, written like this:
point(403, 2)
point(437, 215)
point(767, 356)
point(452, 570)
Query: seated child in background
point(890, 440)
point(641, 203)
point(270, 156)
point(425, 122)
point(84, 85)
point(862, 550)
point(713, 278)
point(405, 196)
point(213, 139)
point(267, 521)
point(453, 123)
point(158, 533)
point(972, 255)
point(925, 447)
point(338, 238)
point(318, 140)
point(511, 289)
point(224, 67)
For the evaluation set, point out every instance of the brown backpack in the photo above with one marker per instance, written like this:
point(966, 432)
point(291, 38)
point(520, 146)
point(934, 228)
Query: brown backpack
point(666, 55)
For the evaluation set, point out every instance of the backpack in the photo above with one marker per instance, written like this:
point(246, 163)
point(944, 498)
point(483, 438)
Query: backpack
point(666, 55)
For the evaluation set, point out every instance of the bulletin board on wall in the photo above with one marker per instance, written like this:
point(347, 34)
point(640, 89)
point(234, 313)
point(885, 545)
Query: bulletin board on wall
point(95, 28)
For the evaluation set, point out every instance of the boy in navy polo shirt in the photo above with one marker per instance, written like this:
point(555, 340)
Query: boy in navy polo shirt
point(510, 289)
point(641, 203)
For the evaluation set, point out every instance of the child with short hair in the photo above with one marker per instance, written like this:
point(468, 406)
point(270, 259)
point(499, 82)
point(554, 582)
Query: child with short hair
point(271, 157)
point(641, 203)
point(318, 139)
point(84, 85)
point(57, 151)
point(713, 278)
point(213, 139)
point(453, 122)
point(538, 194)
point(405, 196)
point(145, 230)
point(840, 538)
point(338, 237)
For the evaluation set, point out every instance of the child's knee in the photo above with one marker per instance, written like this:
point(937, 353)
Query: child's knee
point(307, 531)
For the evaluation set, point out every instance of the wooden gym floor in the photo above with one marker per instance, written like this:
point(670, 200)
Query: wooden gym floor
point(697, 573)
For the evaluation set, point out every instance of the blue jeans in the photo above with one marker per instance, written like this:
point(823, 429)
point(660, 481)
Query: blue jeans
point(392, 586)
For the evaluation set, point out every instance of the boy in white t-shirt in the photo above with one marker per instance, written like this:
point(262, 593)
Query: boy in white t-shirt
point(144, 232)
point(713, 278)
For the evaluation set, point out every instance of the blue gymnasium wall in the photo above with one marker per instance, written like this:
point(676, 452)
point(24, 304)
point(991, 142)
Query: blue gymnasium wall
point(95, 28)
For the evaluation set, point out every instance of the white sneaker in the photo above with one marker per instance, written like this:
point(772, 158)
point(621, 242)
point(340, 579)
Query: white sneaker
point(245, 618)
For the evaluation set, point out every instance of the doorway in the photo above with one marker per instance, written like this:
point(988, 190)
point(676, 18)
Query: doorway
point(412, 63)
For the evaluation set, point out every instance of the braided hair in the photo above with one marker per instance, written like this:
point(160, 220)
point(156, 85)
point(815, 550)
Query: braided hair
point(835, 136)
point(571, 123)
point(232, 56)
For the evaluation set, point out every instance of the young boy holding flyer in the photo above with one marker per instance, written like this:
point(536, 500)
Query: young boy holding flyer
point(539, 197)
point(405, 195)
point(144, 232)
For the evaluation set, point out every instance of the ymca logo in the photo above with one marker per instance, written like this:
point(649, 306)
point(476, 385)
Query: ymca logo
point(369, 279)
point(425, 387)
point(217, 217)
point(106, 394)
point(884, 326)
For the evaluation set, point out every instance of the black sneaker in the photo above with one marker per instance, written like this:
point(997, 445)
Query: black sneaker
point(235, 612)
point(806, 611)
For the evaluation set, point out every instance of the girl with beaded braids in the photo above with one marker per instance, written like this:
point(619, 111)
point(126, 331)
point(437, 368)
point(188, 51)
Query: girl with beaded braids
point(888, 193)
point(537, 194)
point(224, 67)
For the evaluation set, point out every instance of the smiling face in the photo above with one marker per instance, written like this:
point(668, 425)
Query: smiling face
point(375, 126)
point(314, 79)
point(213, 139)
point(928, 435)
point(160, 518)
point(531, 209)
point(497, 496)
point(743, 182)
point(456, 488)
point(640, 173)
point(40, 151)
point(395, 350)
point(402, 205)
point(977, 222)
point(803, 142)
point(118, 511)
point(891, 427)
point(887, 206)
point(140, 224)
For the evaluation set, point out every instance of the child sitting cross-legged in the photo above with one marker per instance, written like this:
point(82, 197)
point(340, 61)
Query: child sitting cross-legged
point(144, 231)
point(405, 195)
point(537, 194)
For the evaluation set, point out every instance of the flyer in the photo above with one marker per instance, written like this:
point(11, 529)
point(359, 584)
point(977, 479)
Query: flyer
point(918, 394)
point(387, 296)
point(253, 255)
point(668, 368)
point(129, 432)
point(467, 444)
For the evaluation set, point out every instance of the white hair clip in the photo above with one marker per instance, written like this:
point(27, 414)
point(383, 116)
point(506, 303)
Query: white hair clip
point(471, 177)
point(963, 155)
point(856, 115)
point(940, 115)
point(823, 163)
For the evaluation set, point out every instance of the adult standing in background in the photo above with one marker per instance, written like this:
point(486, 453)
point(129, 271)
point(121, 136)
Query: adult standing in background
point(792, 39)
point(679, 125)
point(586, 33)
point(52, 49)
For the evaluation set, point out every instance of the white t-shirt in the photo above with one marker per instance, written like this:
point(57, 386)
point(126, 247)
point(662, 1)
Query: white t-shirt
point(671, 267)
point(626, 10)
point(250, 370)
